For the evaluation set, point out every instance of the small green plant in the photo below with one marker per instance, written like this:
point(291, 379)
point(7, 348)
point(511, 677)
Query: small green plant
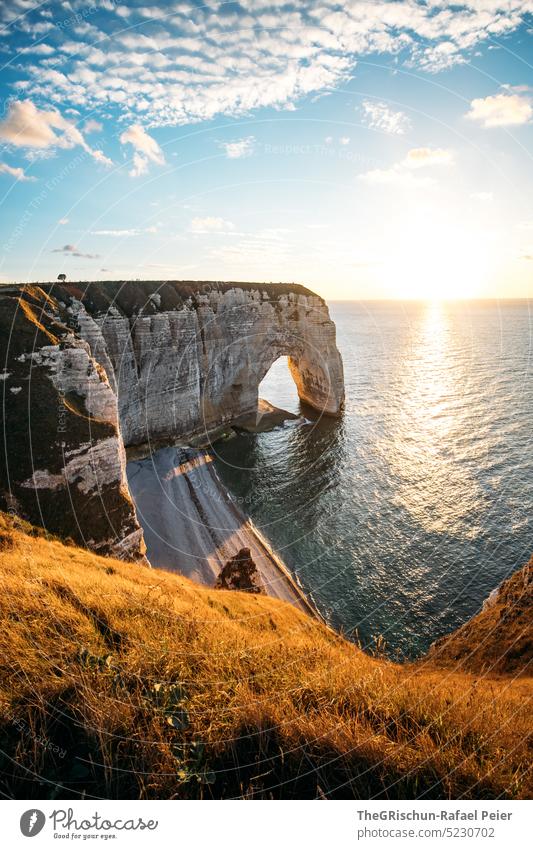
point(189, 756)
point(191, 760)
point(99, 663)
point(167, 699)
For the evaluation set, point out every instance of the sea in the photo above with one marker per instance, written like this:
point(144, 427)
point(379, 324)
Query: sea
point(400, 517)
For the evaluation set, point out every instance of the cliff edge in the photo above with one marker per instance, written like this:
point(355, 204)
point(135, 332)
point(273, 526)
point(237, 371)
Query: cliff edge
point(89, 368)
point(500, 637)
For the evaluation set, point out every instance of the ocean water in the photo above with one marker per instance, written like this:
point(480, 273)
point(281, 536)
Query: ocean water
point(402, 516)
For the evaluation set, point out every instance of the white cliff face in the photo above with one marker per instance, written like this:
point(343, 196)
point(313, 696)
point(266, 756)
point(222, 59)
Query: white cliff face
point(153, 362)
point(65, 463)
point(108, 365)
point(72, 369)
point(84, 389)
point(187, 371)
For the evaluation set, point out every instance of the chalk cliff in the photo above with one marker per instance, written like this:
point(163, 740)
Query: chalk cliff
point(87, 369)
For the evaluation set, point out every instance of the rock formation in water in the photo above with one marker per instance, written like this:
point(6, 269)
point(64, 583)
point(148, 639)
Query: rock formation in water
point(240, 573)
point(88, 369)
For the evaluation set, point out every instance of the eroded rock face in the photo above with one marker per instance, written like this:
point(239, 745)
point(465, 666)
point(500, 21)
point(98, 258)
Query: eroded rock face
point(240, 573)
point(87, 369)
point(186, 363)
point(64, 464)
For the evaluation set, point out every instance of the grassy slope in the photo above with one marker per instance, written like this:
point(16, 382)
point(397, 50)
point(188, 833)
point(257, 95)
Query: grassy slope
point(156, 687)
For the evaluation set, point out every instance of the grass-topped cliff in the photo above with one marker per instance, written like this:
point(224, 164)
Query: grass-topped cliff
point(123, 681)
point(131, 296)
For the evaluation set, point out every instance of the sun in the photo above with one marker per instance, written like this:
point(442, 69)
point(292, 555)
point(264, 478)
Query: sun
point(433, 257)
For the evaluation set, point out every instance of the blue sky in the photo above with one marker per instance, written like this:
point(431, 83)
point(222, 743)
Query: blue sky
point(366, 149)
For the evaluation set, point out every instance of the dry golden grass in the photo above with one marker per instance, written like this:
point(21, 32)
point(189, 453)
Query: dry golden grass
point(121, 681)
point(500, 637)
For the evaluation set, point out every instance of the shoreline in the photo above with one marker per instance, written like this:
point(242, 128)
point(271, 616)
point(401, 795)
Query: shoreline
point(193, 526)
point(271, 553)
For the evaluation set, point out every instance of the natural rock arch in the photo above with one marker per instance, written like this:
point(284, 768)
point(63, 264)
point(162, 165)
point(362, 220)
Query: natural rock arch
point(235, 370)
point(108, 365)
point(187, 371)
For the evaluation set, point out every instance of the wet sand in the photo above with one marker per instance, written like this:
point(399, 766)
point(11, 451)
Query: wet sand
point(192, 526)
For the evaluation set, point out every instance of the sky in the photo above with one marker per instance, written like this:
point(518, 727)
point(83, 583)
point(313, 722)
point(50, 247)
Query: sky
point(365, 149)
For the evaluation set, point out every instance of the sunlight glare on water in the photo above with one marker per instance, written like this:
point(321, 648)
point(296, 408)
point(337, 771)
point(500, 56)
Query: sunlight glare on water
point(431, 384)
point(403, 515)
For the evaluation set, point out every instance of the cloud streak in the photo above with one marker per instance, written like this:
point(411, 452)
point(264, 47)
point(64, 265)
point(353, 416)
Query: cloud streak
point(125, 233)
point(17, 173)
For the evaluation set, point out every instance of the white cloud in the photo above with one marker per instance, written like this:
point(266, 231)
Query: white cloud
point(238, 148)
point(121, 11)
point(439, 57)
point(425, 157)
point(40, 49)
point(210, 224)
point(27, 126)
point(99, 156)
point(132, 231)
point(401, 174)
point(139, 165)
point(18, 173)
point(92, 126)
point(501, 110)
point(146, 149)
point(378, 116)
point(201, 61)
point(144, 143)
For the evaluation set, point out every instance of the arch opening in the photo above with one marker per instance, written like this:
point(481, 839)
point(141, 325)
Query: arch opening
point(279, 388)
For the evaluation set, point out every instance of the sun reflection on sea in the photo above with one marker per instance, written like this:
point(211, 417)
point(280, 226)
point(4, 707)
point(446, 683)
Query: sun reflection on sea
point(433, 484)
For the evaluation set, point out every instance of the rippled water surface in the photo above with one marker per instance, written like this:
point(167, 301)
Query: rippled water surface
point(402, 516)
